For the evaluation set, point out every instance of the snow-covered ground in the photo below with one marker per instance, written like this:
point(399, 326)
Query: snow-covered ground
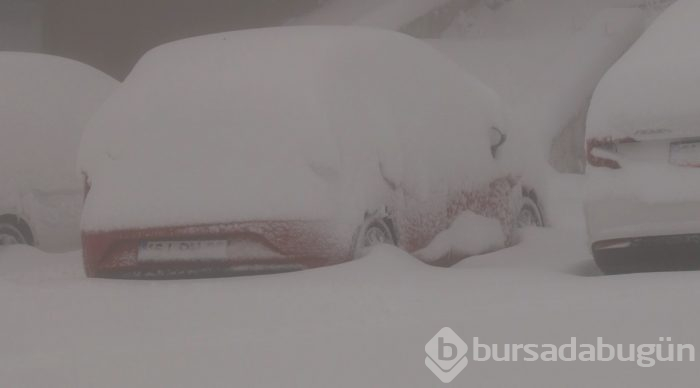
point(45, 102)
point(361, 324)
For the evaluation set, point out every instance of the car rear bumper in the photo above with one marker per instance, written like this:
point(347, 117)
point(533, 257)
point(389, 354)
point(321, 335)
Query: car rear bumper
point(616, 222)
point(628, 235)
point(648, 254)
point(291, 245)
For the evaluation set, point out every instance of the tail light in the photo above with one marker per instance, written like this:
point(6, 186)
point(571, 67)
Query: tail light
point(596, 150)
point(601, 152)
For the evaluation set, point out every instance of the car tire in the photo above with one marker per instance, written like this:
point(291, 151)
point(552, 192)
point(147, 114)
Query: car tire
point(530, 213)
point(12, 234)
point(375, 231)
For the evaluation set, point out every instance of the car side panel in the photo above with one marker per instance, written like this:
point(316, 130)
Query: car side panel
point(498, 200)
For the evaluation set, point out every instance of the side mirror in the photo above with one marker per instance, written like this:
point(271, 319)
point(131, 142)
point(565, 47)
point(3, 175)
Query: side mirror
point(498, 138)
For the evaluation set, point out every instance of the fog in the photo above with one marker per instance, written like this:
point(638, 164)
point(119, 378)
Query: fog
point(112, 35)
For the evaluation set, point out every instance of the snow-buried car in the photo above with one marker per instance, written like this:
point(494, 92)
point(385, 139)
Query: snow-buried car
point(45, 103)
point(289, 148)
point(643, 145)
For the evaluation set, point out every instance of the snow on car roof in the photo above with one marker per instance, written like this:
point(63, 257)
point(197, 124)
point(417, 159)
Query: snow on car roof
point(45, 102)
point(655, 88)
point(255, 124)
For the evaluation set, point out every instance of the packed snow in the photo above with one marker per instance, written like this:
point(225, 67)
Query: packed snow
point(545, 73)
point(266, 125)
point(507, 65)
point(469, 235)
point(547, 81)
point(650, 95)
point(654, 88)
point(45, 103)
point(363, 323)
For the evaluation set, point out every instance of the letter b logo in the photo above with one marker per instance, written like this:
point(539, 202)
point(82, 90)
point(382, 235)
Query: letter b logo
point(446, 355)
point(442, 354)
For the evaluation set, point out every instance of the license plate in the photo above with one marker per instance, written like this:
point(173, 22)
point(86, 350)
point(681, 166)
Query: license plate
point(182, 250)
point(686, 153)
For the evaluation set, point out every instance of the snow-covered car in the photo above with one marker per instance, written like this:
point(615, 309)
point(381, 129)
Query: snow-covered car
point(45, 102)
point(643, 143)
point(289, 148)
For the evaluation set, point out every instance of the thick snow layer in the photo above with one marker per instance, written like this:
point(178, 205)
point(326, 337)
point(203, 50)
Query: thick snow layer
point(546, 77)
point(469, 235)
point(389, 14)
point(361, 324)
point(545, 58)
point(45, 102)
point(564, 89)
point(656, 85)
point(508, 65)
point(288, 123)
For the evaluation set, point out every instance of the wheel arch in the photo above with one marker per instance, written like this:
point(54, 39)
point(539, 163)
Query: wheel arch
point(531, 193)
point(380, 216)
point(21, 224)
point(386, 216)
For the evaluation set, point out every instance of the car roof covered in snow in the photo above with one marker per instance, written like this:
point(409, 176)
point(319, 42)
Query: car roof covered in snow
point(252, 116)
point(653, 91)
point(45, 102)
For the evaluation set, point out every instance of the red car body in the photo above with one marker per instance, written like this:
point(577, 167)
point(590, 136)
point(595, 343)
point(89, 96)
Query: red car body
point(293, 245)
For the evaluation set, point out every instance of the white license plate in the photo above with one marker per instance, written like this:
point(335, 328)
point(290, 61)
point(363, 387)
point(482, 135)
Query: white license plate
point(182, 250)
point(685, 154)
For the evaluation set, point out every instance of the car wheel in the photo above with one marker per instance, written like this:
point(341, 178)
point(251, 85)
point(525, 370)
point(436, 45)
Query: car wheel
point(374, 232)
point(530, 214)
point(11, 235)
